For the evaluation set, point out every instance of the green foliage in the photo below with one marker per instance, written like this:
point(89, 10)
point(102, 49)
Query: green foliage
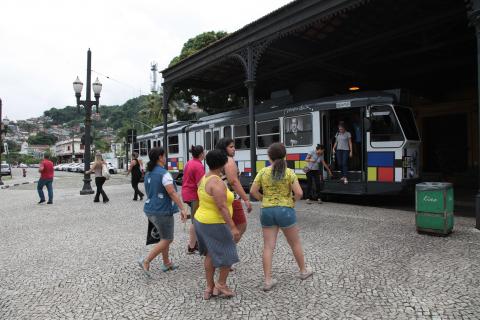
point(12, 146)
point(101, 145)
point(198, 43)
point(42, 138)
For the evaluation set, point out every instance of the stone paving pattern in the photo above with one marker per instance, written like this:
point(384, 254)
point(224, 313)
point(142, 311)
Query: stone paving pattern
point(76, 260)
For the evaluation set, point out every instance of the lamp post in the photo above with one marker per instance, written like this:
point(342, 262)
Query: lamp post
point(88, 105)
point(4, 124)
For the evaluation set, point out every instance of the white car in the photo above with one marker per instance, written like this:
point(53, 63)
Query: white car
point(111, 168)
point(5, 169)
point(22, 165)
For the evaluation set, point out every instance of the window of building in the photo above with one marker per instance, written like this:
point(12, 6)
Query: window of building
point(143, 148)
point(298, 131)
point(227, 132)
point(208, 140)
point(173, 144)
point(82, 147)
point(68, 148)
point(136, 147)
point(268, 132)
point(242, 136)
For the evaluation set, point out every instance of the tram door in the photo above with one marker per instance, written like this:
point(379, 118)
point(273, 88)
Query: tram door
point(352, 119)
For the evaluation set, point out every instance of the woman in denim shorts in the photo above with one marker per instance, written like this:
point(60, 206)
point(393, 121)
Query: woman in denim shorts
point(277, 183)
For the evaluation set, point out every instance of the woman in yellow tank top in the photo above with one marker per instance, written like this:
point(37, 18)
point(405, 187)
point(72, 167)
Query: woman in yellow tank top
point(214, 227)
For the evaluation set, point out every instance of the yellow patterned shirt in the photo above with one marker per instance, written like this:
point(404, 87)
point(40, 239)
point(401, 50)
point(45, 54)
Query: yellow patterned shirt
point(276, 193)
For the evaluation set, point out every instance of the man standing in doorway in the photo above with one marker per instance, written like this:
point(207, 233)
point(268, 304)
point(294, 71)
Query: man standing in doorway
point(46, 179)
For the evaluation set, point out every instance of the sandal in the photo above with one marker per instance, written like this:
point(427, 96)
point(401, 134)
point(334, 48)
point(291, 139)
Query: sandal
point(223, 290)
point(304, 275)
point(168, 267)
point(208, 293)
point(267, 286)
point(141, 263)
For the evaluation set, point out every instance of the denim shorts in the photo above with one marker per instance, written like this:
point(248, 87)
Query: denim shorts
point(283, 217)
point(164, 226)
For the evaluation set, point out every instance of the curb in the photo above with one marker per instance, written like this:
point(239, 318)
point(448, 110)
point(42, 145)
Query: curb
point(16, 184)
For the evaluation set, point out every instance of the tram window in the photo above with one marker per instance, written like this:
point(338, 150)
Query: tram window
point(268, 132)
point(216, 137)
point(242, 136)
point(298, 131)
point(384, 125)
point(208, 140)
point(149, 145)
point(173, 144)
point(407, 121)
point(227, 132)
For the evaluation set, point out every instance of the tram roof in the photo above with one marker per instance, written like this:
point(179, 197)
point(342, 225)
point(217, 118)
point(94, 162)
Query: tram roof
point(157, 131)
point(355, 100)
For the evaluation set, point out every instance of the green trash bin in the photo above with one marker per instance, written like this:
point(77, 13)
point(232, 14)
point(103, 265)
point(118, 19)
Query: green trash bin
point(434, 207)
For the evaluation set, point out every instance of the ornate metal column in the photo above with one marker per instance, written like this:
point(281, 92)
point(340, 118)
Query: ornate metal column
point(475, 20)
point(166, 97)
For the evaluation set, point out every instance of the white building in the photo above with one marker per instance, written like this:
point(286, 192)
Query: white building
point(66, 149)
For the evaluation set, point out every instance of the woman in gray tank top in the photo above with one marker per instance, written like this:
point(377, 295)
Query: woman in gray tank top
point(343, 149)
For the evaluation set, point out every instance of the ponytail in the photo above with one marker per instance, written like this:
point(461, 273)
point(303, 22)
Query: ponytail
point(153, 156)
point(277, 153)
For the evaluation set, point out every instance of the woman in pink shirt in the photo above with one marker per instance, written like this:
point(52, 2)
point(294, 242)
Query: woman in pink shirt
point(192, 174)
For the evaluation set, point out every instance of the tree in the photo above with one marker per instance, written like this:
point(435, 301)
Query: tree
point(210, 103)
point(197, 43)
point(42, 138)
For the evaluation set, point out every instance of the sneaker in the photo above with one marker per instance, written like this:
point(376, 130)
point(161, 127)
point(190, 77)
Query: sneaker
point(269, 286)
point(50, 202)
point(41, 201)
point(319, 201)
point(304, 275)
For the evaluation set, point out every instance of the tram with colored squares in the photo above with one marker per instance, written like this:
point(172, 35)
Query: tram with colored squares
point(384, 135)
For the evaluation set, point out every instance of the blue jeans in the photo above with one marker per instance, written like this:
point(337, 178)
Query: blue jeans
point(41, 184)
point(342, 160)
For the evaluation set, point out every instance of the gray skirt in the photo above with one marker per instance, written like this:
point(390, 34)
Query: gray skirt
point(216, 240)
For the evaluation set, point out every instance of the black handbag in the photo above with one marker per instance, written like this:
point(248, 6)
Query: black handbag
point(152, 234)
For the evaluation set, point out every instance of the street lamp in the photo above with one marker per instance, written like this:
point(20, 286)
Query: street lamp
point(5, 123)
point(87, 104)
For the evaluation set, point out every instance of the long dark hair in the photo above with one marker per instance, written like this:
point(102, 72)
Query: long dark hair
point(223, 144)
point(196, 151)
point(277, 153)
point(216, 159)
point(153, 155)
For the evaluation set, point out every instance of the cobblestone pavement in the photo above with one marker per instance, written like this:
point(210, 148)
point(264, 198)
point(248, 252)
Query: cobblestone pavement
point(76, 260)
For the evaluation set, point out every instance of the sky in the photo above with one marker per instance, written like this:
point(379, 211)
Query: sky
point(43, 45)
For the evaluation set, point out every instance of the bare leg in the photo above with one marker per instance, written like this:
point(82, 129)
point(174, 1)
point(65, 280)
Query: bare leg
point(209, 272)
point(294, 241)
point(222, 277)
point(193, 237)
point(160, 247)
point(269, 241)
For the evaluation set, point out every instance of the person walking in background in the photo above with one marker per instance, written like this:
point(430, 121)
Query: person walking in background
point(136, 168)
point(230, 177)
point(161, 204)
point(343, 148)
point(216, 231)
point(46, 179)
point(316, 163)
point(192, 174)
point(277, 183)
point(97, 168)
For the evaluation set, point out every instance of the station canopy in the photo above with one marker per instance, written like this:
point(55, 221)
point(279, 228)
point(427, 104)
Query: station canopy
point(323, 48)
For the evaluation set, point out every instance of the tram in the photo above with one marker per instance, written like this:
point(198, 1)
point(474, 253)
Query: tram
point(385, 140)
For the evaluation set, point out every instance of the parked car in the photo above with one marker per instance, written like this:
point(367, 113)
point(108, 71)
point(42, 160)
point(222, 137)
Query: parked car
point(5, 169)
point(22, 165)
point(111, 168)
point(72, 167)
